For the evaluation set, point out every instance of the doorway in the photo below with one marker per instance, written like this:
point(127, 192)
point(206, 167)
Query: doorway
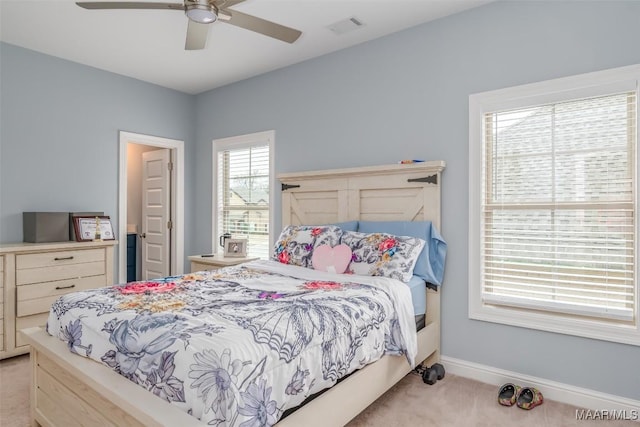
point(151, 207)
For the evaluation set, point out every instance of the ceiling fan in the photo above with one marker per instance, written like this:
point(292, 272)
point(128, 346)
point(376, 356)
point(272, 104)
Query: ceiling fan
point(201, 13)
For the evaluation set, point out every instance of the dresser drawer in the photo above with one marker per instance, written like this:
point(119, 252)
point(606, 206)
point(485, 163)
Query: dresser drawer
point(59, 265)
point(196, 266)
point(37, 298)
point(29, 322)
point(48, 274)
point(57, 258)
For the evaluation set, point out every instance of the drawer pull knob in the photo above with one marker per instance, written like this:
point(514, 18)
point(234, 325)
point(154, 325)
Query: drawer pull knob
point(65, 287)
point(63, 258)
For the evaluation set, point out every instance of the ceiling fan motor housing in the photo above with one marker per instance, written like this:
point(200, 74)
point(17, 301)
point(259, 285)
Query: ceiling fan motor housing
point(201, 11)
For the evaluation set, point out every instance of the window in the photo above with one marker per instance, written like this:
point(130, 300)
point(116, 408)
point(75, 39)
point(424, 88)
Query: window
point(242, 190)
point(553, 203)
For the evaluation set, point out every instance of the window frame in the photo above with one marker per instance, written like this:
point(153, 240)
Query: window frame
point(546, 92)
point(239, 142)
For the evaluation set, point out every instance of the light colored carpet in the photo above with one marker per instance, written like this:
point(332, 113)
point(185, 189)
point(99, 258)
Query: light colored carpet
point(14, 391)
point(451, 402)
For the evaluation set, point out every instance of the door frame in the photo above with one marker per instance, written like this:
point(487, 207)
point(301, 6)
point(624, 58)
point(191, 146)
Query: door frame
point(177, 199)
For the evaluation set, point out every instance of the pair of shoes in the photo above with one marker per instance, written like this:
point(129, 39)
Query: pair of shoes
point(523, 397)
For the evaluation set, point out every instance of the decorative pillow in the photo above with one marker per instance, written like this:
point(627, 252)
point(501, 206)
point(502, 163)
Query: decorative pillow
point(333, 260)
point(430, 264)
point(380, 254)
point(297, 242)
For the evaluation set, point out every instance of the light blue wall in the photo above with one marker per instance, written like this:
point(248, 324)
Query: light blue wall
point(59, 130)
point(402, 96)
point(406, 96)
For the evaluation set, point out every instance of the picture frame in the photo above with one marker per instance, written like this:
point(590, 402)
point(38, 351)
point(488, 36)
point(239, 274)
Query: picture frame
point(235, 248)
point(85, 228)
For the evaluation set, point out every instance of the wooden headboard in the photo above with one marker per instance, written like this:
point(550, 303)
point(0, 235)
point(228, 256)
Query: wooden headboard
point(395, 192)
point(377, 193)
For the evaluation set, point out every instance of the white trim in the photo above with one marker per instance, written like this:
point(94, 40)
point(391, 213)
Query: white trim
point(272, 185)
point(177, 205)
point(625, 315)
point(584, 85)
point(580, 327)
point(242, 141)
point(572, 87)
point(553, 390)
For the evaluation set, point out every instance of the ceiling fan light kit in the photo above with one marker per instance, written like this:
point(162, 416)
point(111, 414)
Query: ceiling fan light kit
point(201, 12)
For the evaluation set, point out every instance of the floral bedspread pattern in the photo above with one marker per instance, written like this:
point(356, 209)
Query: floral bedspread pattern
point(240, 345)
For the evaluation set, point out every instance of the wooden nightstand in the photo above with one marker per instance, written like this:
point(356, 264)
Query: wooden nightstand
point(200, 263)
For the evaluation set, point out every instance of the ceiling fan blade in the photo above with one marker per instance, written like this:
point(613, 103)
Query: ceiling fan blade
point(223, 4)
point(129, 5)
point(263, 26)
point(196, 35)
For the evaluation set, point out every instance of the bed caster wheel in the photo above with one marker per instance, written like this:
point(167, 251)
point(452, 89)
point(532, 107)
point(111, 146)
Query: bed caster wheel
point(429, 376)
point(439, 370)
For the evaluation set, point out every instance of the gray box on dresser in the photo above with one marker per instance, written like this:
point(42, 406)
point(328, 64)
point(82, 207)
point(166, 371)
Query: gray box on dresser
point(43, 227)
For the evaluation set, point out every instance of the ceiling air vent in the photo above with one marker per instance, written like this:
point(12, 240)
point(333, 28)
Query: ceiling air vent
point(345, 26)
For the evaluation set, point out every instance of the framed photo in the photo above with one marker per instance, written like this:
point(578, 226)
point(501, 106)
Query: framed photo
point(86, 227)
point(235, 248)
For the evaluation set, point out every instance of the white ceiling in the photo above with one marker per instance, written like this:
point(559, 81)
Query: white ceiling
point(149, 44)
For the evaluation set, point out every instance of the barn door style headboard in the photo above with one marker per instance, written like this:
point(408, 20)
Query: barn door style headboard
point(394, 192)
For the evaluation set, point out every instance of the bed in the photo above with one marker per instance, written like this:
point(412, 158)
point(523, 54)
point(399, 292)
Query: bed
point(99, 396)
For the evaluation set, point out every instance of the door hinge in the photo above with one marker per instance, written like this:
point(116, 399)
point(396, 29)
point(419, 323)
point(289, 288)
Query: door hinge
point(285, 187)
point(169, 225)
point(170, 166)
point(431, 179)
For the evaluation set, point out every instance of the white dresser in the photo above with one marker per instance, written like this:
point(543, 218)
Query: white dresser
point(34, 275)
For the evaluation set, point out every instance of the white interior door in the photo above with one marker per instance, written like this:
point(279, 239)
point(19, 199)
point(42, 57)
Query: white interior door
point(156, 217)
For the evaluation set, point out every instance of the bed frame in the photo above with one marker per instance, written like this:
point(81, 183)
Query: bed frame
point(68, 390)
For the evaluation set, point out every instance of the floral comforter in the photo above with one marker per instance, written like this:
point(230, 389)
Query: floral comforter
point(240, 345)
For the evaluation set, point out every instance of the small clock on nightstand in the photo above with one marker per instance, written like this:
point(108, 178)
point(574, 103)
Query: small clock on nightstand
point(214, 262)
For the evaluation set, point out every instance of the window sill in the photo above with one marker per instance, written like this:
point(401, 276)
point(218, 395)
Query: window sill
point(558, 323)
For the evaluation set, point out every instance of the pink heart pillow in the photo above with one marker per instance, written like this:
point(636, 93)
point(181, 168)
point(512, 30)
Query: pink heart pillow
point(333, 260)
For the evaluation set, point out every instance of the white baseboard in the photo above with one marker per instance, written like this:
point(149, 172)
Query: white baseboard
point(565, 393)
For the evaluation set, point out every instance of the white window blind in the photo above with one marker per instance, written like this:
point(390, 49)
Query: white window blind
point(243, 196)
point(558, 203)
